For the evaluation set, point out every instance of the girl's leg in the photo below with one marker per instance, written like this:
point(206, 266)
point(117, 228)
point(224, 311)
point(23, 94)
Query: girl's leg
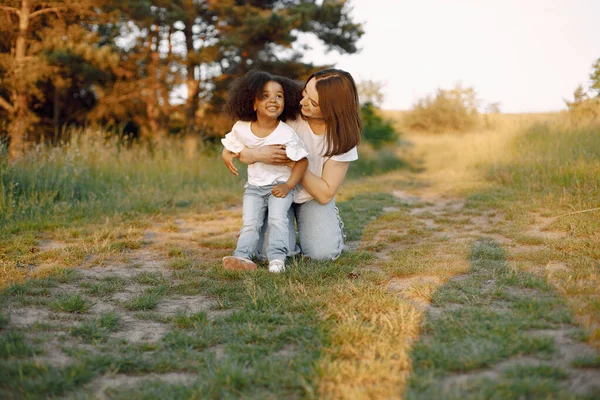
point(320, 229)
point(253, 215)
point(278, 227)
point(263, 242)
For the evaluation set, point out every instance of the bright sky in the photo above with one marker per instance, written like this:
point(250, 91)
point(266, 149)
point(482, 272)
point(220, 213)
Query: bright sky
point(528, 55)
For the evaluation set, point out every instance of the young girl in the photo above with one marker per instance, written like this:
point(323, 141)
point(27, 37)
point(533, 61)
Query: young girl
point(261, 102)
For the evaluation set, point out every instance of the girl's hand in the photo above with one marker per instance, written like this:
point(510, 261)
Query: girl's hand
point(228, 157)
point(280, 190)
point(291, 163)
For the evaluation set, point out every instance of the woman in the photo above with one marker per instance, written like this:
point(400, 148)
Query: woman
point(330, 127)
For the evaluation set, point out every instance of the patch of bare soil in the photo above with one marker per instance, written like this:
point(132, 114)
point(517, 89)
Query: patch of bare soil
point(541, 229)
point(48, 244)
point(186, 233)
point(136, 330)
point(26, 316)
point(53, 355)
point(106, 383)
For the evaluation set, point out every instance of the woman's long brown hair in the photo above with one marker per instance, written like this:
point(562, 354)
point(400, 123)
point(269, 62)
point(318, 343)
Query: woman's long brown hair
point(338, 100)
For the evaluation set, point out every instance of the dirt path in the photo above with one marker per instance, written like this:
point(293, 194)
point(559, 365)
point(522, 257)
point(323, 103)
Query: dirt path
point(448, 220)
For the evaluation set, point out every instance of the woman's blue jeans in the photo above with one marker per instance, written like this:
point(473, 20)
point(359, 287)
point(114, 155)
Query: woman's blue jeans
point(257, 200)
point(320, 231)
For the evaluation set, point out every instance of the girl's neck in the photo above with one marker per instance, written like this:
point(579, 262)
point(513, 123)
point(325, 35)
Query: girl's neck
point(263, 127)
point(317, 125)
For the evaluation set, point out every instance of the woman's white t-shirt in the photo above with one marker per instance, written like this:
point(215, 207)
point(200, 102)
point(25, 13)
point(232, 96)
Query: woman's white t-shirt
point(316, 147)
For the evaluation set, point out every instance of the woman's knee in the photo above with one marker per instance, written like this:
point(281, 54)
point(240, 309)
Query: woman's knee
point(322, 248)
point(321, 231)
point(322, 254)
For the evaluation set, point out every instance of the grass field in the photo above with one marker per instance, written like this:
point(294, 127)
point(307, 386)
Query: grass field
point(472, 272)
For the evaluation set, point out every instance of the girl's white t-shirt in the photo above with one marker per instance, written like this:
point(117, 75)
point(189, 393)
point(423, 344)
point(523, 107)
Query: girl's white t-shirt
point(316, 146)
point(260, 174)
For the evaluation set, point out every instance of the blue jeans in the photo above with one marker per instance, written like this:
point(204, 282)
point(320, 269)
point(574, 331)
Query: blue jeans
point(320, 231)
point(257, 200)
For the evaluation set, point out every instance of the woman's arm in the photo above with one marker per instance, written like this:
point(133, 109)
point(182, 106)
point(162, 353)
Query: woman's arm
point(298, 171)
point(324, 189)
point(272, 154)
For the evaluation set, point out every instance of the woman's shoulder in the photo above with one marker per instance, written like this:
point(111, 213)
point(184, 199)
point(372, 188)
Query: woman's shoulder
point(294, 123)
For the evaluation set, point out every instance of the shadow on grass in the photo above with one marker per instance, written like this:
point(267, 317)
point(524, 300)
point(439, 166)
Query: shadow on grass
point(496, 333)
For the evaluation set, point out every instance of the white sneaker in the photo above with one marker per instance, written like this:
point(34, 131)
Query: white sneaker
point(276, 266)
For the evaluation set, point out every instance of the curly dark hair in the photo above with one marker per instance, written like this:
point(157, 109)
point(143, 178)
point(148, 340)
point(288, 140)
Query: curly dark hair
point(244, 90)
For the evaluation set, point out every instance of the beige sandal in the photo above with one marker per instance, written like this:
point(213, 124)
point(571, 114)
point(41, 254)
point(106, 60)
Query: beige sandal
point(238, 264)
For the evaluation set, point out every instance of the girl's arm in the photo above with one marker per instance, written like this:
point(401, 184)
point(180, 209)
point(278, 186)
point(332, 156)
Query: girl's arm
point(324, 189)
point(298, 171)
point(228, 157)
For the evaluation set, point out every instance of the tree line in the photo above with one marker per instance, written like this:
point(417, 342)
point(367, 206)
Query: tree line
point(148, 68)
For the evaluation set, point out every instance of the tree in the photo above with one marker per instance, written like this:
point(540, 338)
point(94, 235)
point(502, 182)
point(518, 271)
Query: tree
point(230, 37)
point(493, 108)
point(123, 61)
point(595, 77)
point(370, 92)
point(29, 25)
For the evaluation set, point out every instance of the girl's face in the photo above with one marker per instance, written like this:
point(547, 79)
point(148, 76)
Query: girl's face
point(270, 102)
point(310, 101)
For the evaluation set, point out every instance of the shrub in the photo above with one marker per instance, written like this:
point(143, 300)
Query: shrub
point(450, 110)
point(376, 131)
point(583, 108)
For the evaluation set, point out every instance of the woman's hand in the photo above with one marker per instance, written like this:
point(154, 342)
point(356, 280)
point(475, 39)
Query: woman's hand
point(228, 157)
point(273, 154)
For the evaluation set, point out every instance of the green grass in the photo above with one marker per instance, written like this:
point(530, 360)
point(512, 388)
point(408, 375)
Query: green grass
point(361, 210)
point(71, 303)
point(106, 286)
point(146, 301)
point(93, 177)
point(97, 330)
point(14, 345)
point(554, 159)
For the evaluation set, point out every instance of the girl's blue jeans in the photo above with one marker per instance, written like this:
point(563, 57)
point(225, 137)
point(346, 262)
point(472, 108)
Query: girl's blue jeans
point(257, 200)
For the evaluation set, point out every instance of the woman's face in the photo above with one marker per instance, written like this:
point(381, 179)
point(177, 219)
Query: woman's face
point(310, 101)
point(270, 102)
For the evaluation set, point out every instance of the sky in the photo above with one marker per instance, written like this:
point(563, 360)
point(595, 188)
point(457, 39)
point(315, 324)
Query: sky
point(526, 55)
